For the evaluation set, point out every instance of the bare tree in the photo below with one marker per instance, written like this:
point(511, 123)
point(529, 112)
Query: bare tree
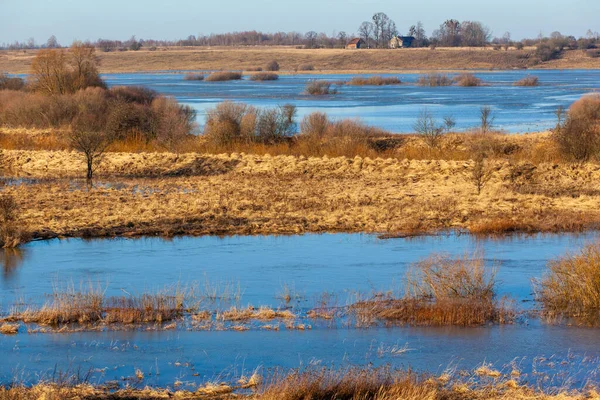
point(430, 131)
point(418, 32)
point(481, 173)
point(474, 34)
point(365, 32)
point(311, 39)
point(52, 43)
point(487, 118)
point(90, 138)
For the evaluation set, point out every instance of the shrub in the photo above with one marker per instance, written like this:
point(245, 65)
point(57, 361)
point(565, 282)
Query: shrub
point(571, 288)
point(264, 76)
point(272, 66)
point(224, 76)
point(193, 77)
point(528, 81)
point(593, 53)
point(11, 234)
point(374, 81)
point(315, 124)
point(434, 79)
point(467, 80)
point(578, 137)
point(519, 46)
point(254, 69)
point(430, 131)
point(306, 67)
point(547, 52)
point(11, 83)
point(320, 88)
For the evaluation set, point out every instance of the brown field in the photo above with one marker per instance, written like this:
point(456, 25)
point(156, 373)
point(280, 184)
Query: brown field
point(323, 60)
point(193, 193)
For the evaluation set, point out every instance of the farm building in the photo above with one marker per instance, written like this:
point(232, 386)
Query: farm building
point(400, 42)
point(355, 44)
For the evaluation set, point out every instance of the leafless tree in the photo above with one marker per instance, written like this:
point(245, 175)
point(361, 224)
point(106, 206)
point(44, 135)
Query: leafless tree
point(487, 119)
point(89, 137)
point(365, 31)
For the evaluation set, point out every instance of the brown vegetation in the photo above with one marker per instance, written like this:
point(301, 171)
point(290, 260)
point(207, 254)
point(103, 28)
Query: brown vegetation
point(529, 80)
point(264, 76)
point(320, 88)
point(571, 288)
point(578, 136)
point(434, 79)
point(467, 80)
point(11, 232)
point(224, 76)
point(373, 81)
point(193, 77)
point(289, 58)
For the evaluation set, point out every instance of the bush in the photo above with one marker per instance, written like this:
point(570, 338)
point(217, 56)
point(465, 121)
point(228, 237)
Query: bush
point(434, 79)
point(306, 67)
point(467, 80)
point(578, 137)
point(593, 53)
point(11, 83)
point(547, 52)
point(193, 77)
point(264, 76)
point(528, 81)
point(572, 286)
point(254, 69)
point(320, 88)
point(374, 81)
point(272, 66)
point(224, 76)
point(315, 124)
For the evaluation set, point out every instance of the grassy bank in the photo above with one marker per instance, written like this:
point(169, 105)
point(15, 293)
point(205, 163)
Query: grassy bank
point(292, 59)
point(168, 194)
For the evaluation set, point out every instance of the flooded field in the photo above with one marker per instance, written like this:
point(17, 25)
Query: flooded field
point(257, 270)
point(395, 108)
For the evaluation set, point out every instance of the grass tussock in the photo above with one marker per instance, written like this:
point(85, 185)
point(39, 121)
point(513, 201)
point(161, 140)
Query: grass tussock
point(442, 291)
point(9, 329)
point(90, 307)
point(529, 80)
point(374, 81)
point(434, 79)
point(224, 76)
point(193, 77)
point(264, 76)
point(11, 231)
point(467, 80)
point(305, 67)
point(571, 287)
point(250, 313)
point(320, 88)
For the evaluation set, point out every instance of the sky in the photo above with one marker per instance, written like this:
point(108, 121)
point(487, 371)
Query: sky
point(72, 20)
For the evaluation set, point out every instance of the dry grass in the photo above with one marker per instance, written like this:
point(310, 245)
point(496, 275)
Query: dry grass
point(9, 329)
point(193, 77)
point(320, 88)
point(529, 80)
point(571, 288)
point(224, 76)
point(264, 76)
point(374, 81)
point(250, 313)
point(441, 291)
point(215, 58)
point(467, 80)
point(287, 193)
point(434, 79)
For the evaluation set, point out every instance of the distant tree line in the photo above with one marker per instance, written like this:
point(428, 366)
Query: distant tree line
point(375, 32)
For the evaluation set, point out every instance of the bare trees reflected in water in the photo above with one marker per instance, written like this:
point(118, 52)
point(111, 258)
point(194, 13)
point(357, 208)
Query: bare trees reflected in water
point(11, 260)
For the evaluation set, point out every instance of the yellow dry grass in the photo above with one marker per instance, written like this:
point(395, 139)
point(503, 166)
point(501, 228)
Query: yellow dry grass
point(251, 194)
point(323, 60)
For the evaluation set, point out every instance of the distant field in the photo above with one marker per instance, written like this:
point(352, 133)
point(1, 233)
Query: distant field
point(323, 60)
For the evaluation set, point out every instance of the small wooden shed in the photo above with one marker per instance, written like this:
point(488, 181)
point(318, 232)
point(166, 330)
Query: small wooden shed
point(355, 43)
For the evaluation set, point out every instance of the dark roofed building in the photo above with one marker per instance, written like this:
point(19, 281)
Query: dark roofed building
point(401, 42)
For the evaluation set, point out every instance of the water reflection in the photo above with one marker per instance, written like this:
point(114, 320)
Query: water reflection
point(11, 260)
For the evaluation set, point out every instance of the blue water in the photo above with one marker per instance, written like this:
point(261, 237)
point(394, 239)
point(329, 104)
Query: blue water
point(261, 265)
point(395, 108)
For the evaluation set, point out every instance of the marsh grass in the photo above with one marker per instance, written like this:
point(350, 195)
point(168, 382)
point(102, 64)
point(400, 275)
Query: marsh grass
point(441, 291)
point(320, 88)
point(263, 313)
point(193, 77)
point(434, 79)
point(571, 287)
point(224, 76)
point(264, 76)
point(529, 80)
point(467, 80)
point(374, 81)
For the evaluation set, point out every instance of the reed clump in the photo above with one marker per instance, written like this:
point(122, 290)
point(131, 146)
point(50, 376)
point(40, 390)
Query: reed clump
point(467, 80)
point(251, 313)
point(374, 81)
point(224, 76)
point(571, 287)
point(442, 291)
point(320, 88)
point(264, 76)
point(193, 77)
point(11, 231)
point(528, 81)
point(434, 79)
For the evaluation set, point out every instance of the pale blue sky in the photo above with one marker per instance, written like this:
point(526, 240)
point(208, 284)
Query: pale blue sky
point(119, 19)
